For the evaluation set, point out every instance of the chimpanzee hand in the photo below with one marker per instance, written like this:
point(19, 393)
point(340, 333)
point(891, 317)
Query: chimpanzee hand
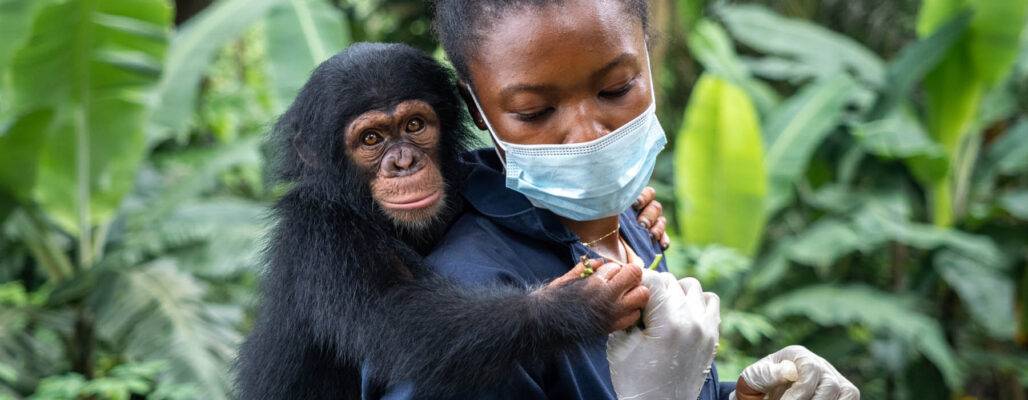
point(619, 286)
point(651, 216)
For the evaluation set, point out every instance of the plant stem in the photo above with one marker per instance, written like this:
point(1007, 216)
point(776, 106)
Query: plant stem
point(82, 179)
point(53, 260)
point(656, 262)
point(965, 166)
point(942, 203)
point(83, 342)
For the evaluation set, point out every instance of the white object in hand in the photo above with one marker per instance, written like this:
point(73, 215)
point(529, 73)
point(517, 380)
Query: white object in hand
point(671, 357)
point(795, 373)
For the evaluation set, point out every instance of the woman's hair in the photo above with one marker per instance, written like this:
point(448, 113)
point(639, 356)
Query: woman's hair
point(458, 23)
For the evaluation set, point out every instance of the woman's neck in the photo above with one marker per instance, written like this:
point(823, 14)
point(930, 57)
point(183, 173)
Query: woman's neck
point(597, 234)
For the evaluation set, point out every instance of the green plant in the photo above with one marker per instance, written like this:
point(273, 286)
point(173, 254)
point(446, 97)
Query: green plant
point(105, 152)
point(861, 257)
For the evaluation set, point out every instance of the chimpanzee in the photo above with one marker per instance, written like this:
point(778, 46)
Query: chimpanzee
point(369, 150)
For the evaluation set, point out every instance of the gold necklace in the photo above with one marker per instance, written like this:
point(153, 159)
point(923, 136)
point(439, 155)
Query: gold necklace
point(621, 251)
point(590, 244)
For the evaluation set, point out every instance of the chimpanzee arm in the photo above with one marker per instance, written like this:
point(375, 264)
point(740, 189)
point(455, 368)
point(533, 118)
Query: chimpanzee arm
point(446, 340)
point(337, 293)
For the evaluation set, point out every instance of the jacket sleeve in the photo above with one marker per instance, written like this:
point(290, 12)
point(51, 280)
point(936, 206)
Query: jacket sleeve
point(725, 388)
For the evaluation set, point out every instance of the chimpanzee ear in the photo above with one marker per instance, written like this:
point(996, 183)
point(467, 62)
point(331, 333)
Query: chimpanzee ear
point(476, 114)
point(304, 152)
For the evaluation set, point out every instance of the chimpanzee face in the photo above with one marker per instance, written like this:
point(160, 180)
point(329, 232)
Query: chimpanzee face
point(398, 149)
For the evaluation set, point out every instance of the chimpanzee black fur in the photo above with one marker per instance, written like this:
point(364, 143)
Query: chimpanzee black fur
point(343, 284)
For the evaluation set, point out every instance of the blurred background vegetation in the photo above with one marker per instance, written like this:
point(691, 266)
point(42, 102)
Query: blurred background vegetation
point(850, 175)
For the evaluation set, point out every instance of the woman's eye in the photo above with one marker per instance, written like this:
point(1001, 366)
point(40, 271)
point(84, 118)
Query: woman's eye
point(371, 138)
point(621, 91)
point(533, 116)
point(415, 125)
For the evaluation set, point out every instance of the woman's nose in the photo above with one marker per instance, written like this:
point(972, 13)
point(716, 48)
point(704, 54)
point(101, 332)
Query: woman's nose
point(586, 124)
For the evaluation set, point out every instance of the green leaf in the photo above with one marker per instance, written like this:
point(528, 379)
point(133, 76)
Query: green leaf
point(711, 46)
point(720, 182)
point(1015, 203)
point(690, 11)
point(752, 327)
point(824, 242)
point(882, 312)
point(952, 97)
point(781, 69)
point(1009, 154)
point(301, 34)
point(214, 238)
point(795, 129)
point(917, 59)
point(770, 268)
point(898, 135)
point(955, 88)
point(19, 153)
point(156, 313)
point(986, 293)
point(188, 174)
point(993, 40)
point(874, 225)
point(823, 53)
point(877, 223)
point(62, 387)
point(8, 373)
point(191, 51)
point(94, 63)
point(17, 16)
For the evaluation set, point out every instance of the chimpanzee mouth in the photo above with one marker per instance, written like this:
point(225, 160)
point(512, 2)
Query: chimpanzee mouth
point(415, 202)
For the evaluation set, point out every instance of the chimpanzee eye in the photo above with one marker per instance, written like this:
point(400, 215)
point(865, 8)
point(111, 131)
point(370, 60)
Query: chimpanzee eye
point(415, 124)
point(371, 138)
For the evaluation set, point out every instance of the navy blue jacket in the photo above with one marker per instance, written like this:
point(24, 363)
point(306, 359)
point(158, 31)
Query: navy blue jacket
point(502, 238)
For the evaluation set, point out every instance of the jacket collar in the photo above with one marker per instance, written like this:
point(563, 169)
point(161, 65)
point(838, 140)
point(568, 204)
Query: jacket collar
point(486, 191)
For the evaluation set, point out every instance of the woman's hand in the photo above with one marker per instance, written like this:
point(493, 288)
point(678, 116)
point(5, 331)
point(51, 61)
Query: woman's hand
point(619, 286)
point(651, 216)
point(793, 373)
point(671, 357)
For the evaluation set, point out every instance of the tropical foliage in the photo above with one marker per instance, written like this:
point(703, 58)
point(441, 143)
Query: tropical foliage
point(847, 175)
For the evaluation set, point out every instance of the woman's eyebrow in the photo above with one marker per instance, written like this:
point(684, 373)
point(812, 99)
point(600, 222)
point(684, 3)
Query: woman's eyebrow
point(617, 61)
point(526, 87)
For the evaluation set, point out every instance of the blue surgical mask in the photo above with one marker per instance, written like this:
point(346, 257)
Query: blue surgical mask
point(590, 180)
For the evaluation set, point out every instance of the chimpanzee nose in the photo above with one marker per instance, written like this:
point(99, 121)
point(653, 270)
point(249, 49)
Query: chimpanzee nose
point(403, 161)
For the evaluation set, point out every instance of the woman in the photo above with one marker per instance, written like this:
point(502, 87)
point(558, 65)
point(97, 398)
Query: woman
point(565, 89)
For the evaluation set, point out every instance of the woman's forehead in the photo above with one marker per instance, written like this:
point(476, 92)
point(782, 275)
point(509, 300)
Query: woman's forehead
point(535, 45)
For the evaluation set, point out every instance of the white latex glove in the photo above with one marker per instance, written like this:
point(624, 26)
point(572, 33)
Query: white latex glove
point(795, 373)
point(671, 358)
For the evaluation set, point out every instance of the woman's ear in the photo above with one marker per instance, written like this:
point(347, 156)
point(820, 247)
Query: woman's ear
point(476, 114)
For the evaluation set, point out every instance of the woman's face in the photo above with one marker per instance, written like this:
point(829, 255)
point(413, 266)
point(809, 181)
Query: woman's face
point(562, 74)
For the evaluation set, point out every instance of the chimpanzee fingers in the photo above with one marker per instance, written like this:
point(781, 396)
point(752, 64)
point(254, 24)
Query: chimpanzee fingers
point(627, 278)
point(665, 241)
point(626, 321)
point(635, 299)
point(576, 272)
point(607, 272)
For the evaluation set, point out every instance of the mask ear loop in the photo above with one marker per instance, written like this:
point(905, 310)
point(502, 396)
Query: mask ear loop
point(496, 139)
point(653, 90)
